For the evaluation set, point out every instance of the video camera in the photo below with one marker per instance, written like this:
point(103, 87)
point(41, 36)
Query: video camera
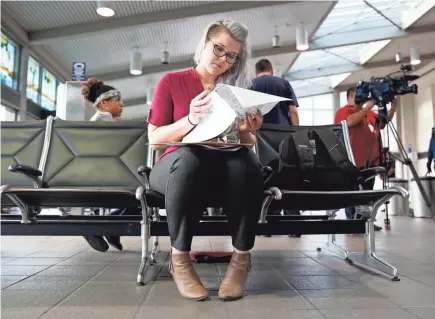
point(384, 89)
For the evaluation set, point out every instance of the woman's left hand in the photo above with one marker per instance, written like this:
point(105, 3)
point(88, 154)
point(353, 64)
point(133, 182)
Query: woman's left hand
point(252, 123)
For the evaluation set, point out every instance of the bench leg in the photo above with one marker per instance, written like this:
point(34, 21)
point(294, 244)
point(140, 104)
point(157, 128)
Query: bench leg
point(145, 236)
point(145, 261)
point(266, 203)
point(331, 245)
point(155, 249)
point(156, 218)
point(369, 258)
point(25, 218)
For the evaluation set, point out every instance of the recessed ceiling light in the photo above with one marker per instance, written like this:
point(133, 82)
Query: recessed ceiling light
point(104, 9)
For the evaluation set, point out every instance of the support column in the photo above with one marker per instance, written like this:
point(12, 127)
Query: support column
point(24, 61)
point(406, 122)
point(336, 101)
point(150, 94)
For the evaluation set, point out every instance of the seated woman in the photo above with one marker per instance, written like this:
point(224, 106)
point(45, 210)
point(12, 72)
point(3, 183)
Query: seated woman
point(107, 101)
point(193, 178)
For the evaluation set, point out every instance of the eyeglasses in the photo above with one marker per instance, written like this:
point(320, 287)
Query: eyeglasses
point(220, 52)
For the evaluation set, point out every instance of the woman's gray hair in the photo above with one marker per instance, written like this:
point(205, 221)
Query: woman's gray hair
point(238, 74)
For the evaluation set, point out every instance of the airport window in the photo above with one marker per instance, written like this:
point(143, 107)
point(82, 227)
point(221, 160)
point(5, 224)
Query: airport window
point(33, 81)
point(316, 110)
point(48, 90)
point(343, 98)
point(41, 85)
point(9, 65)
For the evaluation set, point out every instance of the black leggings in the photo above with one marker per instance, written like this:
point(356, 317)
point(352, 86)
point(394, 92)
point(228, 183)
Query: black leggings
point(193, 178)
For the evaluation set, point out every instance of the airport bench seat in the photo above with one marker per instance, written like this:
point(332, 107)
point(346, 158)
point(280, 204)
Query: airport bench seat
point(101, 164)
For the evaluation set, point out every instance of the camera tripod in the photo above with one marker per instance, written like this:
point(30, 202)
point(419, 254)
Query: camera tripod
point(403, 158)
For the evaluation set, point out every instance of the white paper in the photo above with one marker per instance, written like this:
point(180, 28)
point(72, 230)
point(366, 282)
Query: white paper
point(213, 124)
point(227, 104)
point(252, 101)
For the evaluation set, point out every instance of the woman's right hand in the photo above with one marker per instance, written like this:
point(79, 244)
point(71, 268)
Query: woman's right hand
point(199, 107)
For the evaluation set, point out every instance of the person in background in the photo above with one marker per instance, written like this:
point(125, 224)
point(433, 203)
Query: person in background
point(191, 177)
point(364, 135)
point(107, 101)
point(431, 152)
point(284, 113)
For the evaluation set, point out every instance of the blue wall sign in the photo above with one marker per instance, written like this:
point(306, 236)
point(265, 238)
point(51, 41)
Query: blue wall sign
point(78, 71)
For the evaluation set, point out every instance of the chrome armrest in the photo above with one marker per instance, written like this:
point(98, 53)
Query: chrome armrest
point(33, 174)
point(145, 172)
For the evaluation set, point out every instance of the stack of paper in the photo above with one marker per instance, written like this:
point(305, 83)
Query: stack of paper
point(228, 105)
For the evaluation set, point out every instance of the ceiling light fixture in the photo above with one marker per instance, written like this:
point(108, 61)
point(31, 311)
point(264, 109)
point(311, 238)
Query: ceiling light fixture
point(104, 9)
point(275, 39)
point(398, 57)
point(414, 56)
point(301, 38)
point(165, 54)
point(136, 63)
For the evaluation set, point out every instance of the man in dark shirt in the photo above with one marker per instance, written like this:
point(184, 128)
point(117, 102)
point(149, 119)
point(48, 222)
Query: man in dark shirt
point(284, 112)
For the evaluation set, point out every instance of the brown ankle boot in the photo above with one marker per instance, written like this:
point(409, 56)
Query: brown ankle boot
point(233, 285)
point(188, 283)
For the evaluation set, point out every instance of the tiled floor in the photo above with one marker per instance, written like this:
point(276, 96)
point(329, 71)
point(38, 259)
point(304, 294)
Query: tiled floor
point(61, 277)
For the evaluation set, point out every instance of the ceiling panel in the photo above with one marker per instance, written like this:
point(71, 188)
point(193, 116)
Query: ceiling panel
point(426, 19)
point(424, 42)
point(316, 59)
point(111, 51)
point(314, 86)
point(33, 14)
point(353, 15)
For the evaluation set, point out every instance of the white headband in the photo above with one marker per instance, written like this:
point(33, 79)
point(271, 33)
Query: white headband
point(105, 96)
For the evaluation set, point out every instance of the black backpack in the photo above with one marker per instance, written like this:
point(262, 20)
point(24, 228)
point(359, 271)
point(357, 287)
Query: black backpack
point(314, 160)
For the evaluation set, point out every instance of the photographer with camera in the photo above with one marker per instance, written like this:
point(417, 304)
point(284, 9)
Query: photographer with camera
point(431, 153)
point(364, 130)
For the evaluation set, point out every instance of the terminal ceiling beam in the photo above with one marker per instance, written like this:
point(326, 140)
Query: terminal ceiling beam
point(349, 67)
point(330, 41)
point(43, 37)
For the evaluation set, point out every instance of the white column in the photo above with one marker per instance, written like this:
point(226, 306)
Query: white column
point(336, 101)
point(406, 122)
point(150, 94)
point(24, 61)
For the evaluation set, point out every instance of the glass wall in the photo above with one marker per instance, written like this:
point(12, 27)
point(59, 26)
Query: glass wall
point(33, 80)
point(48, 89)
point(41, 85)
point(343, 98)
point(316, 110)
point(9, 64)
